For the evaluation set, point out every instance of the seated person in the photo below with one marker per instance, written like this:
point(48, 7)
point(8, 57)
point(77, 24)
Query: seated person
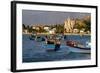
point(57, 45)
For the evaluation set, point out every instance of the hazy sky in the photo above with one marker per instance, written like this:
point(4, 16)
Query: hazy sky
point(30, 17)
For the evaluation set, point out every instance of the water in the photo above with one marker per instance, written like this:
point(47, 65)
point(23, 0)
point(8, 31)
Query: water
point(34, 51)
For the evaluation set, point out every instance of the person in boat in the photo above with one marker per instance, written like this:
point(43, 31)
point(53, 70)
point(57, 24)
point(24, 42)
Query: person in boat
point(65, 37)
point(46, 38)
point(57, 45)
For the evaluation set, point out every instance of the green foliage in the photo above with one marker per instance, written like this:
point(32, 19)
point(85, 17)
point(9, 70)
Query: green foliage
point(41, 30)
point(84, 23)
point(88, 25)
point(23, 26)
point(80, 25)
point(59, 28)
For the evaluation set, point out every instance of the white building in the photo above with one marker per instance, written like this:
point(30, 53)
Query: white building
point(33, 27)
point(82, 31)
point(75, 30)
point(46, 28)
point(52, 31)
point(26, 31)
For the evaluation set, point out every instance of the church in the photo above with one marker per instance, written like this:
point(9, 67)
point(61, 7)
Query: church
point(69, 25)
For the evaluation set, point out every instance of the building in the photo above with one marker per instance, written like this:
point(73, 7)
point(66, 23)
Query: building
point(82, 31)
point(69, 25)
point(52, 31)
point(37, 27)
point(25, 31)
point(46, 28)
point(33, 27)
point(75, 30)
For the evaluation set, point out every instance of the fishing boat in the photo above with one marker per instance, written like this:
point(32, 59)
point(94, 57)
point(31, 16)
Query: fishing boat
point(32, 36)
point(60, 37)
point(75, 46)
point(37, 37)
point(52, 49)
point(50, 41)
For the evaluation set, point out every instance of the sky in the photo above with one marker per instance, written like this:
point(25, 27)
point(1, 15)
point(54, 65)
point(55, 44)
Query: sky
point(33, 17)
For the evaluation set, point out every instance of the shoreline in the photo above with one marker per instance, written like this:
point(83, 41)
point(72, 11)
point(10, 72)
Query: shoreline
point(76, 34)
point(64, 34)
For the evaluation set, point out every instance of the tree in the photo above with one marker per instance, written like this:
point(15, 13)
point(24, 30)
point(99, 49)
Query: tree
point(42, 30)
point(88, 24)
point(23, 26)
point(59, 28)
point(79, 24)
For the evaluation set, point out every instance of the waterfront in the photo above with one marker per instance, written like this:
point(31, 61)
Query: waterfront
point(34, 51)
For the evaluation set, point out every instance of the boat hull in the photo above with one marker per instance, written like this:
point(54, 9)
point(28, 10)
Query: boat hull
point(77, 50)
point(75, 46)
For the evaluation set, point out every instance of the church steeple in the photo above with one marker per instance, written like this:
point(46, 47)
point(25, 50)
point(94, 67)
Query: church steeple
point(68, 26)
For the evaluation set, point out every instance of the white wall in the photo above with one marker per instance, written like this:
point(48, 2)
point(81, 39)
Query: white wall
point(5, 36)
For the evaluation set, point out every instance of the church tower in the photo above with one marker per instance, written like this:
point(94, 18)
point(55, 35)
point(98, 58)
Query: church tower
point(68, 26)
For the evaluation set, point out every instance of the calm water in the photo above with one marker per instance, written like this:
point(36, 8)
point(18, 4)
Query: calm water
point(34, 51)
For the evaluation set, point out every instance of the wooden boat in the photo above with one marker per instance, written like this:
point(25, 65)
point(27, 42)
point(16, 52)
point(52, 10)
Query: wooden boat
point(75, 46)
point(50, 41)
point(37, 38)
point(51, 48)
point(32, 37)
point(40, 38)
